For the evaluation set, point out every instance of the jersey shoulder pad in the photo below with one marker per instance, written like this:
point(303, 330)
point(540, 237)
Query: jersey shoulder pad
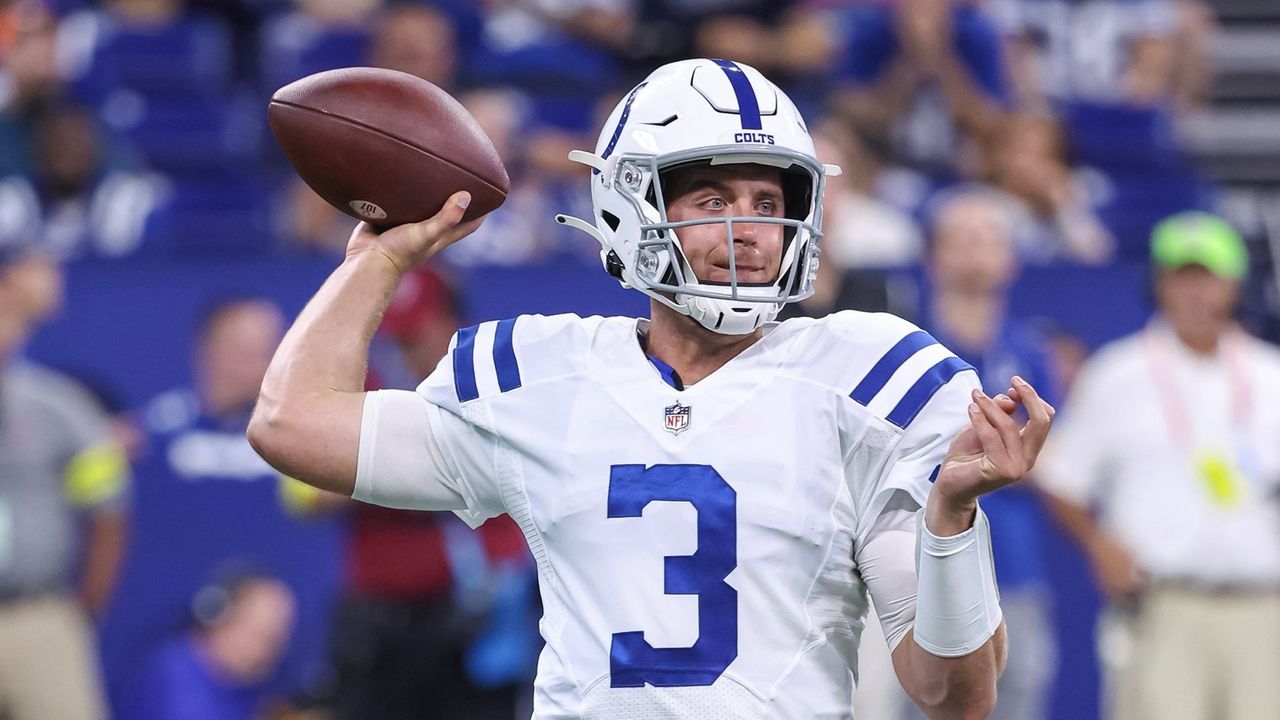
point(887, 364)
point(496, 357)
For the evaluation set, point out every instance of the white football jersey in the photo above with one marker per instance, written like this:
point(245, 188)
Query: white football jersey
point(696, 547)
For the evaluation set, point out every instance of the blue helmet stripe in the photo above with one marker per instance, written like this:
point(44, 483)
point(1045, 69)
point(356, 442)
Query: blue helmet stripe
point(924, 390)
point(622, 121)
point(748, 106)
point(504, 356)
point(887, 365)
point(464, 365)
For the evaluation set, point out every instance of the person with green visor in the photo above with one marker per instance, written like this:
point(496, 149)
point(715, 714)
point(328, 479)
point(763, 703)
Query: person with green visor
point(1166, 468)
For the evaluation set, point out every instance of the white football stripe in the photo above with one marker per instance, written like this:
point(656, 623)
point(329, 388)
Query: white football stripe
point(486, 372)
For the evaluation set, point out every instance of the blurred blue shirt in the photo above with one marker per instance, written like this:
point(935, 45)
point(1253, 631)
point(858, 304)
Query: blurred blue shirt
point(925, 134)
point(179, 683)
point(203, 499)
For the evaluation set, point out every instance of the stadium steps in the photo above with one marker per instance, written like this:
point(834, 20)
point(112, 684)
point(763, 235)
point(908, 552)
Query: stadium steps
point(1245, 11)
point(1236, 138)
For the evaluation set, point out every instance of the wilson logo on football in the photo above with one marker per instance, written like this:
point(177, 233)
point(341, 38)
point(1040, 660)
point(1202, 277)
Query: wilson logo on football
point(368, 210)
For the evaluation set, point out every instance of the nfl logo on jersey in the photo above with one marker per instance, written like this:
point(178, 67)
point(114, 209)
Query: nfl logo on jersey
point(677, 418)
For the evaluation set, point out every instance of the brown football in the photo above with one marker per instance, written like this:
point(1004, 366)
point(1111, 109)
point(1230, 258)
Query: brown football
point(385, 146)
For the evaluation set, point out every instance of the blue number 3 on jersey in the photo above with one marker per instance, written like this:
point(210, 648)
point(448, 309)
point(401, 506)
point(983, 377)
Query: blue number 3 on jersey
point(633, 662)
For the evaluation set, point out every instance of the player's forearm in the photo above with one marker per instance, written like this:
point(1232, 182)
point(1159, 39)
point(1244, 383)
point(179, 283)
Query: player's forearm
point(105, 546)
point(957, 688)
point(1077, 520)
point(328, 346)
point(972, 108)
point(1151, 72)
point(955, 651)
point(877, 106)
point(307, 420)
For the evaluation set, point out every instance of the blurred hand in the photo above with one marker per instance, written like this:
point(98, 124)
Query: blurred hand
point(737, 37)
point(1115, 570)
point(989, 454)
point(408, 246)
point(924, 29)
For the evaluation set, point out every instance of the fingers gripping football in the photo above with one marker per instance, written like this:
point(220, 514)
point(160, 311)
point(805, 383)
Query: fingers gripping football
point(409, 245)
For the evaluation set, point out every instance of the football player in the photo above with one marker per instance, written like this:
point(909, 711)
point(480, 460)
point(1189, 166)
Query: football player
point(709, 495)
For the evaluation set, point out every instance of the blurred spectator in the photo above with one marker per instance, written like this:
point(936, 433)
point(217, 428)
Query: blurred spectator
point(859, 228)
point(204, 497)
point(1096, 51)
point(315, 35)
point(62, 513)
point(774, 36)
point(417, 39)
point(1170, 434)
point(559, 52)
point(971, 266)
point(81, 205)
point(129, 50)
point(543, 182)
point(1193, 66)
point(217, 669)
point(925, 75)
point(1052, 211)
point(436, 620)
point(28, 75)
point(1068, 353)
point(161, 77)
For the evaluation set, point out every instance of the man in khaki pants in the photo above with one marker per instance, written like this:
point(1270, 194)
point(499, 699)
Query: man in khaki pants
point(59, 472)
point(1171, 436)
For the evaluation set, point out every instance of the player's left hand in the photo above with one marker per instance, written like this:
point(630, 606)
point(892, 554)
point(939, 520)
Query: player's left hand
point(992, 452)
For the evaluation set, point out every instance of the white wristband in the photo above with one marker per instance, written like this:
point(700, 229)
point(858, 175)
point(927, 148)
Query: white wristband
point(958, 603)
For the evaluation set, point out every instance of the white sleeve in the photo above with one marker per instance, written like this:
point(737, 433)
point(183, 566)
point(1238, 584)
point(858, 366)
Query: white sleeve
point(400, 464)
point(913, 458)
point(887, 563)
point(885, 545)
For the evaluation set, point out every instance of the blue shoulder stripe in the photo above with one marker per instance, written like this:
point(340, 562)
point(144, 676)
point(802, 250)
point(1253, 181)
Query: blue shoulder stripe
point(887, 365)
point(748, 105)
point(925, 388)
point(504, 356)
point(464, 365)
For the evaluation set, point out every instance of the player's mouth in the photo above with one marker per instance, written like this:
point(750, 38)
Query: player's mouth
point(747, 272)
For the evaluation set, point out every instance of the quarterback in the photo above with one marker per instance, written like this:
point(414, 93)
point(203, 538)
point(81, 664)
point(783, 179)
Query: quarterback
point(710, 495)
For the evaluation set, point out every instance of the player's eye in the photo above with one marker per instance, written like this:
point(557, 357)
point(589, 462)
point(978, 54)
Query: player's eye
point(714, 203)
point(767, 207)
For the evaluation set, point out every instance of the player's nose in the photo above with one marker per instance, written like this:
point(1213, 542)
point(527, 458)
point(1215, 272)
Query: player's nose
point(744, 231)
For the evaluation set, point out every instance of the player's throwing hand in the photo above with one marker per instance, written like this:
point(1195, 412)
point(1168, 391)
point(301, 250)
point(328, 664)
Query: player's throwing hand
point(993, 451)
point(410, 245)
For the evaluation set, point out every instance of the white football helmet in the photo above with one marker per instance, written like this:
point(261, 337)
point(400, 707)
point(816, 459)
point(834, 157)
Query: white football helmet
point(702, 111)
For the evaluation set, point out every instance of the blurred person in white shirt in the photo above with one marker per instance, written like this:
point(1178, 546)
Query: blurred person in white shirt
point(1169, 435)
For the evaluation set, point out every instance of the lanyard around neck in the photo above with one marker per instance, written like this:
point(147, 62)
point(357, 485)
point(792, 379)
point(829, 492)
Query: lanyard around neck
point(1160, 349)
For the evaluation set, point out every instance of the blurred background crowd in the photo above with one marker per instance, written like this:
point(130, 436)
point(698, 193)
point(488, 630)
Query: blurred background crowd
point(1004, 160)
